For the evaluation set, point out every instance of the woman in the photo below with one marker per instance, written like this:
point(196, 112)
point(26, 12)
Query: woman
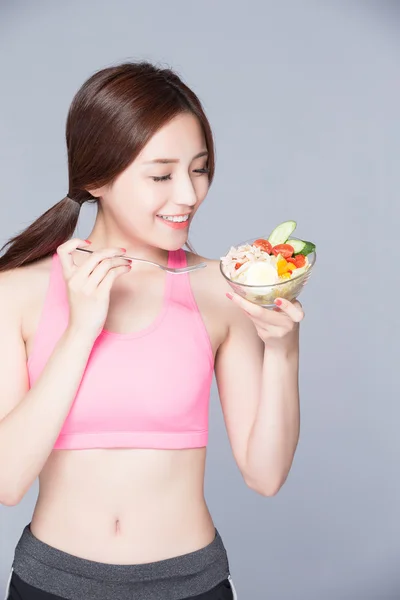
point(106, 365)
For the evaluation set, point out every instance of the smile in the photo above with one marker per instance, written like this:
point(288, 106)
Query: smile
point(175, 219)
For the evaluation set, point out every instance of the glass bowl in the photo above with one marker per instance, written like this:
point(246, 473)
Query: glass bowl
point(264, 295)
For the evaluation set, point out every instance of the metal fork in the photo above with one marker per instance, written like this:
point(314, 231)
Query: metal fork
point(172, 270)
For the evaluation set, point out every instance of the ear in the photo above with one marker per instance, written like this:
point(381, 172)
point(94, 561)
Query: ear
point(97, 192)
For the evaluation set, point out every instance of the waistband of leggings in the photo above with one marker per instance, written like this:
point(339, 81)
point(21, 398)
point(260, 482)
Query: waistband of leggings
point(69, 576)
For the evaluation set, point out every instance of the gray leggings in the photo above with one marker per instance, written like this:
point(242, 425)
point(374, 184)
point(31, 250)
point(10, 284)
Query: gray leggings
point(69, 577)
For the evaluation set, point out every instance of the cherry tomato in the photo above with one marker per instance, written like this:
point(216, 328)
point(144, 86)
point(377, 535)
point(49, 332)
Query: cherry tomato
point(238, 265)
point(263, 245)
point(285, 250)
point(300, 260)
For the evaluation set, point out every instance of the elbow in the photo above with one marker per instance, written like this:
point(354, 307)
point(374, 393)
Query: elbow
point(10, 497)
point(267, 488)
point(8, 500)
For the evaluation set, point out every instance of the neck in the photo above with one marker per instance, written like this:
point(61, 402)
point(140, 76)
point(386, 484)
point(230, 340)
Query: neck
point(107, 235)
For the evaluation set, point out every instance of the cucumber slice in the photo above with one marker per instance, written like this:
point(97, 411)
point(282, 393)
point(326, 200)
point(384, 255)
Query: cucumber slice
point(301, 247)
point(281, 233)
point(297, 245)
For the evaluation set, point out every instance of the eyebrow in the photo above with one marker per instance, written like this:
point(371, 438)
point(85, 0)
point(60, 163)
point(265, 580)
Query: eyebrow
point(167, 161)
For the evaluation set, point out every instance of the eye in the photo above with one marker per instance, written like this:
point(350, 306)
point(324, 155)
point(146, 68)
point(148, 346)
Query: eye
point(204, 171)
point(163, 178)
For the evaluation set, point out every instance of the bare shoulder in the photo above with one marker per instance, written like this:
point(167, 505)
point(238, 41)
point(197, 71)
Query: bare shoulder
point(24, 279)
point(21, 289)
point(212, 273)
point(215, 287)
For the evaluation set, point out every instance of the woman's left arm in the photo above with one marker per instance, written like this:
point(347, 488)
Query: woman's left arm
point(257, 370)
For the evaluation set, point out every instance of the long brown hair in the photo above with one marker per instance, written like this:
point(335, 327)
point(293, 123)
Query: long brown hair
point(111, 118)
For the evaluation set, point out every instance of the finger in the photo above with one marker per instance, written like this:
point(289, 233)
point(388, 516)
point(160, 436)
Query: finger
point(83, 271)
point(102, 269)
point(294, 310)
point(106, 284)
point(65, 250)
point(249, 307)
point(255, 311)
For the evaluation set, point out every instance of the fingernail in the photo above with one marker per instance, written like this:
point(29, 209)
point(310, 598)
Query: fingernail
point(229, 296)
point(123, 249)
point(88, 241)
point(128, 260)
point(278, 302)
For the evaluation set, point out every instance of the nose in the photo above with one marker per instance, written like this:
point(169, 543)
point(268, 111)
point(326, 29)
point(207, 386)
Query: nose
point(185, 194)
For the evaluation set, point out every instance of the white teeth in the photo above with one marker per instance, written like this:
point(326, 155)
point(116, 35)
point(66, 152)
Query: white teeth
point(175, 219)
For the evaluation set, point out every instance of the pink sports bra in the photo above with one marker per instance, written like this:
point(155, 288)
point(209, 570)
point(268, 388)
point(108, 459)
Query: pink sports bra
point(148, 389)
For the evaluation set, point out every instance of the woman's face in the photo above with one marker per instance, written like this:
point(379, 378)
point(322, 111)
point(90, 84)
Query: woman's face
point(154, 200)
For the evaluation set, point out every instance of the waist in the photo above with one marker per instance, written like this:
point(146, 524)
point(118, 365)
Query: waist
point(68, 576)
point(123, 505)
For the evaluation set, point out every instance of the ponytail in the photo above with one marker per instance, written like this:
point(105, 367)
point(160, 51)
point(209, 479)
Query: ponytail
point(42, 238)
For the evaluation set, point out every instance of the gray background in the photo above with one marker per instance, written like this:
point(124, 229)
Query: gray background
point(304, 100)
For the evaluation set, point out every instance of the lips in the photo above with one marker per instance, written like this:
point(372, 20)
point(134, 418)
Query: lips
point(174, 224)
point(175, 221)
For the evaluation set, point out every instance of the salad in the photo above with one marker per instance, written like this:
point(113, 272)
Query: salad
point(268, 261)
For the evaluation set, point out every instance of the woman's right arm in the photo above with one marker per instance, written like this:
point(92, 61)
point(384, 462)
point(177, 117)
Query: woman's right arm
point(31, 419)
